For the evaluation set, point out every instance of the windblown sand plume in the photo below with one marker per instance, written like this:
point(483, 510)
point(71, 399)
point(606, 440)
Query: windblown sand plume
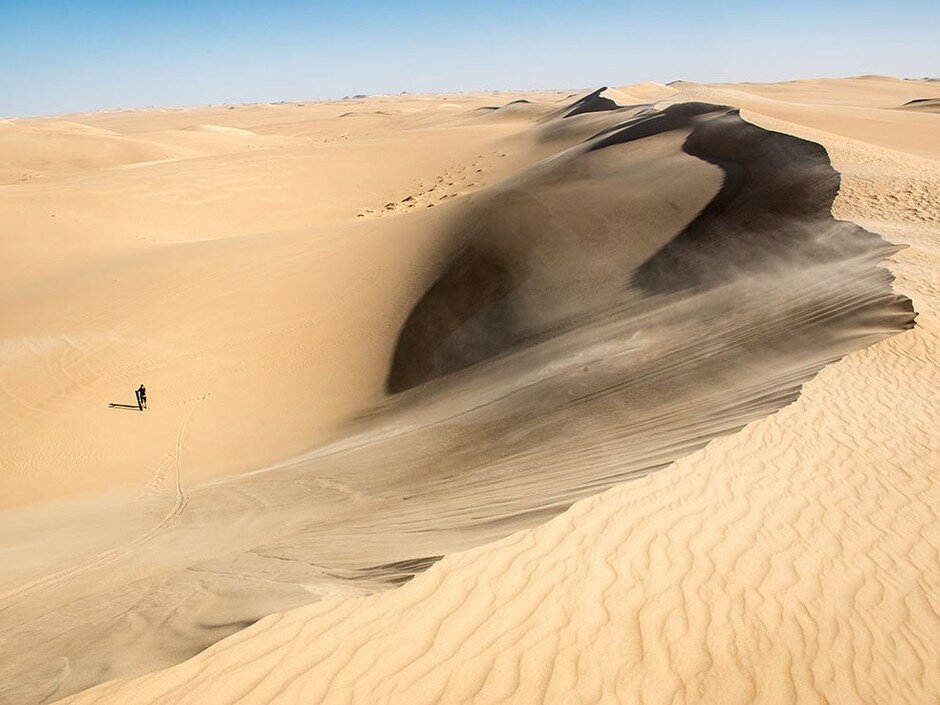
point(641, 381)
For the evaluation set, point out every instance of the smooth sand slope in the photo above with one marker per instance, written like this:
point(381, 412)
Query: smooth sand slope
point(610, 287)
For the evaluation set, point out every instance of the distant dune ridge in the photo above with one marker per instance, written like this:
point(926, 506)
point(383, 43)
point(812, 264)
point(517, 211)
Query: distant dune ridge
point(591, 103)
point(926, 105)
point(522, 307)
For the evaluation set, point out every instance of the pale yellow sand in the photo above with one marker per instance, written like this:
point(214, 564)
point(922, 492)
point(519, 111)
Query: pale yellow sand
point(106, 266)
point(795, 561)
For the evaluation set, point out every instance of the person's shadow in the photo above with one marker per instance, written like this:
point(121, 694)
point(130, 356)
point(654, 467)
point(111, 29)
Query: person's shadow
point(133, 407)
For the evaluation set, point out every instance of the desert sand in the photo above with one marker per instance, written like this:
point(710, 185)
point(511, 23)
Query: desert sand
point(623, 395)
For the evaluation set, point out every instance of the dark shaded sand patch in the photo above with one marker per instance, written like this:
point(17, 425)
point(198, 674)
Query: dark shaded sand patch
point(593, 102)
point(921, 105)
point(772, 215)
point(774, 210)
point(476, 281)
point(396, 572)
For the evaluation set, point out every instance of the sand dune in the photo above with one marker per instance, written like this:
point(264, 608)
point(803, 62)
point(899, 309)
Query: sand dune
point(53, 149)
point(641, 93)
point(922, 105)
point(36, 152)
point(594, 102)
point(863, 91)
point(915, 134)
point(579, 294)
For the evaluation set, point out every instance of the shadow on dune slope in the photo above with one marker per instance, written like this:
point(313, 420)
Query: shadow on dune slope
point(476, 283)
point(591, 103)
point(774, 210)
point(922, 105)
point(772, 215)
point(595, 317)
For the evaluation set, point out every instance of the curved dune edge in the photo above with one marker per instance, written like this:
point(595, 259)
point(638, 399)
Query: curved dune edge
point(475, 456)
point(791, 562)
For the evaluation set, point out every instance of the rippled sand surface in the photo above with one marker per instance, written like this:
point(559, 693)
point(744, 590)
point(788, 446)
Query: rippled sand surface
point(691, 299)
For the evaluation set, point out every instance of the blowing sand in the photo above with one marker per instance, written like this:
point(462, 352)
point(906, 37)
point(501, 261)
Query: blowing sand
point(420, 335)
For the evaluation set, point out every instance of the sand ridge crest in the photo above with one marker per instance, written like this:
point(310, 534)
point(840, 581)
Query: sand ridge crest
point(768, 566)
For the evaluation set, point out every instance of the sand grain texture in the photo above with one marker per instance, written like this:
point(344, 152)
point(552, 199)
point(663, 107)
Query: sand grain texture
point(791, 560)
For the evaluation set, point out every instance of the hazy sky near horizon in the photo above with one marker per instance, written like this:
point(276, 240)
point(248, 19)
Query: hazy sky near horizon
point(60, 57)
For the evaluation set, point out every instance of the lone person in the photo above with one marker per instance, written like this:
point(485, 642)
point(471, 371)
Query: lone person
point(141, 393)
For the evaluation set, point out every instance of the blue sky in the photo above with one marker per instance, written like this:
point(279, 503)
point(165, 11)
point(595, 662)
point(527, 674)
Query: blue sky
point(73, 56)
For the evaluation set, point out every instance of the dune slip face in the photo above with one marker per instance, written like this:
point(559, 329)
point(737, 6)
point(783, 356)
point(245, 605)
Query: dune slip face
point(652, 278)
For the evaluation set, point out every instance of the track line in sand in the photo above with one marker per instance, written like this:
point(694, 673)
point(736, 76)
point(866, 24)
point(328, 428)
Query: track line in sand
point(14, 596)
